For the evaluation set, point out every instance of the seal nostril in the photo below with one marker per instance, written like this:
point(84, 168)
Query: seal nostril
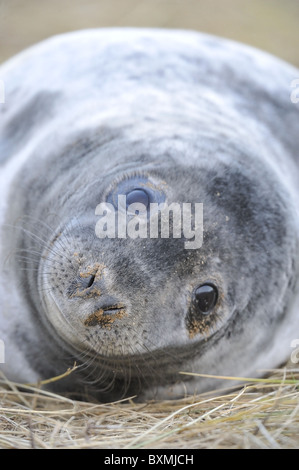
point(91, 281)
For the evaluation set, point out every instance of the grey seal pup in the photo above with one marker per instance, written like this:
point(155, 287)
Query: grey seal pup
point(160, 116)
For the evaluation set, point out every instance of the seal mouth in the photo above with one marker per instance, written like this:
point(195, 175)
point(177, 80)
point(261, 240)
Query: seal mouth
point(106, 315)
point(112, 308)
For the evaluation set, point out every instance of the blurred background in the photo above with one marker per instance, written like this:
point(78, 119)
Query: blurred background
point(272, 25)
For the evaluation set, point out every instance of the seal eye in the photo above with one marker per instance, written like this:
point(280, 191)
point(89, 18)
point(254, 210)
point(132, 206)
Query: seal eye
point(205, 298)
point(135, 190)
point(137, 195)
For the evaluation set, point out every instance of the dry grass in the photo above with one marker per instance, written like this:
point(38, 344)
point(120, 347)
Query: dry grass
point(261, 414)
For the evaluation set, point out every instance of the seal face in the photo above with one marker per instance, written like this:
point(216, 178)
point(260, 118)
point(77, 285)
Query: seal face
point(135, 120)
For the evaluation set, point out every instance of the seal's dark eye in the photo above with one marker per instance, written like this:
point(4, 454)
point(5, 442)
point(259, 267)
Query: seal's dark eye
point(205, 298)
point(136, 190)
point(138, 195)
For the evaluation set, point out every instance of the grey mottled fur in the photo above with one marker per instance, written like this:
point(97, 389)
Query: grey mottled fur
point(209, 120)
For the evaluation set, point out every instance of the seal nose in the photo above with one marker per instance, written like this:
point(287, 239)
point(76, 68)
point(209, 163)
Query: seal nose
point(86, 283)
point(89, 283)
point(90, 287)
